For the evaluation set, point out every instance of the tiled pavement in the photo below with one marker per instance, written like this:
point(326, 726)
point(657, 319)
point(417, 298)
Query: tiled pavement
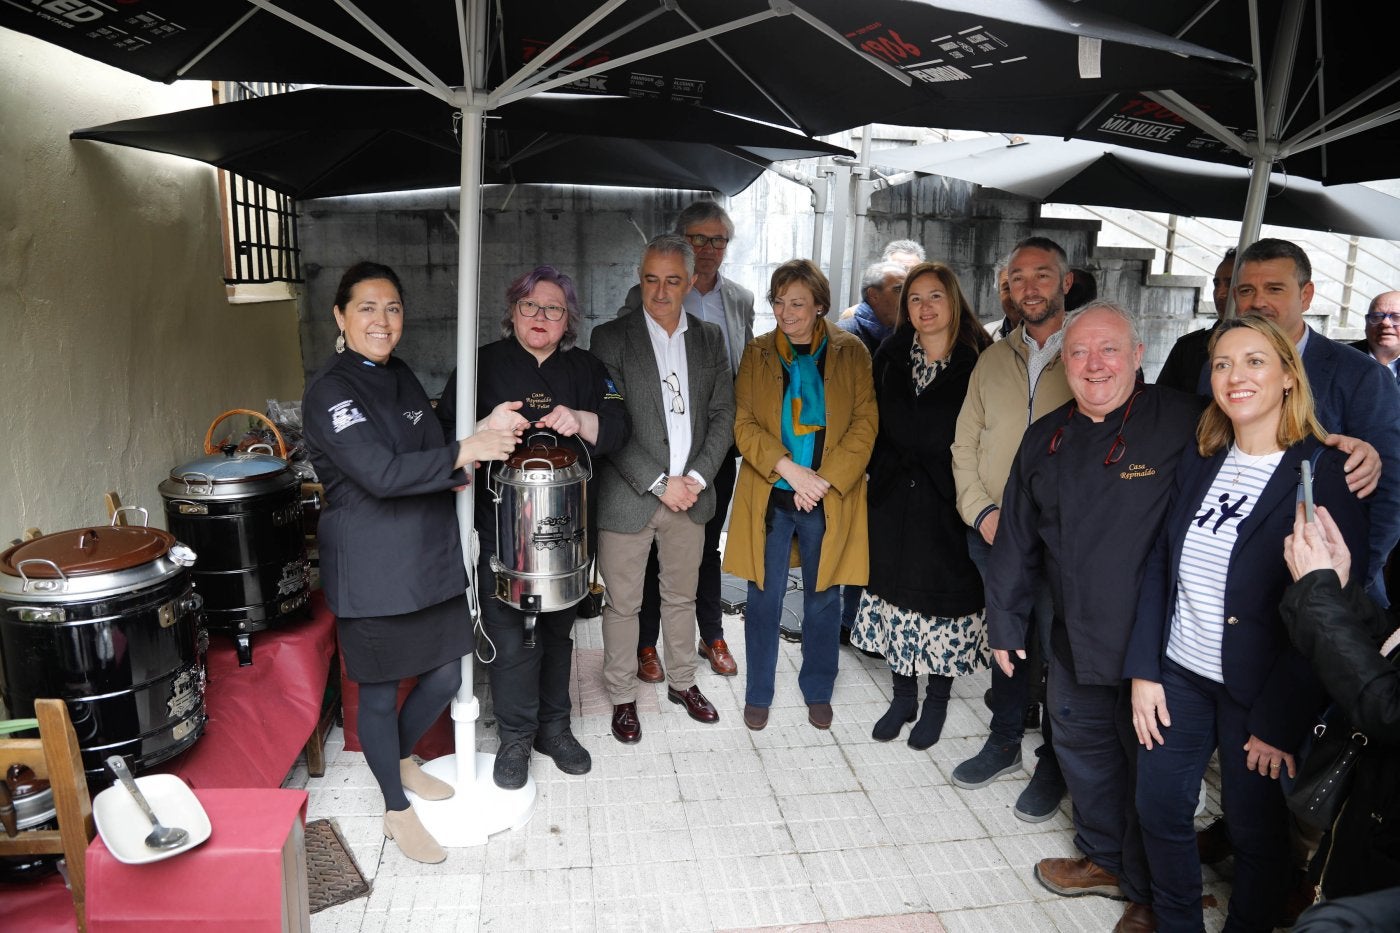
point(713, 827)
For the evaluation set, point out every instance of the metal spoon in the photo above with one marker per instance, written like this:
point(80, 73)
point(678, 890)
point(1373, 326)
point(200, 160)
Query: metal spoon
point(161, 837)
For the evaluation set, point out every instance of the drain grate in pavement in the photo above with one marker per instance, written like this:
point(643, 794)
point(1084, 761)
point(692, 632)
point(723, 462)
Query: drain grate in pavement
point(332, 875)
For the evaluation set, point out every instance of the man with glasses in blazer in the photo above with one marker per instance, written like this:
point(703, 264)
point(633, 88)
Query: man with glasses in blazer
point(672, 370)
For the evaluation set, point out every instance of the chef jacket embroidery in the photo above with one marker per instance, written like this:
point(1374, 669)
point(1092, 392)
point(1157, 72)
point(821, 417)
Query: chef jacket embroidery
point(345, 414)
point(413, 416)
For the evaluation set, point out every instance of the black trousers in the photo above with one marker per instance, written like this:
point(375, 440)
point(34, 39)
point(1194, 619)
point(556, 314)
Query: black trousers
point(708, 612)
point(529, 686)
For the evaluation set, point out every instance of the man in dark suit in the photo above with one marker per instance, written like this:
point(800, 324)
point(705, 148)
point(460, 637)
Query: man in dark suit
point(1353, 395)
point(673, 372)
point(1382, 341)
point(728, 305)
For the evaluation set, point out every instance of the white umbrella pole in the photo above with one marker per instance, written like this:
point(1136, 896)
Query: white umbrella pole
point(478, 808)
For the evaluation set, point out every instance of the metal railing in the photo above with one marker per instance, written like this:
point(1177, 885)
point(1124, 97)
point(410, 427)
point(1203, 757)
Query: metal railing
point(260, 225)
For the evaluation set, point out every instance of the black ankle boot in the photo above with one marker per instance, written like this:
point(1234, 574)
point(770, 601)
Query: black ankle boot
point(930, 725)
point(902, 709)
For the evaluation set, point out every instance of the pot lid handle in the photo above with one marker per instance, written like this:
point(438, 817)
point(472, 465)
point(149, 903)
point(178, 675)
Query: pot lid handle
point(211, 448)
point(42, 584)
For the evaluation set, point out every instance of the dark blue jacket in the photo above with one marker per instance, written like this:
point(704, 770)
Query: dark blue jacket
point(1262, 670)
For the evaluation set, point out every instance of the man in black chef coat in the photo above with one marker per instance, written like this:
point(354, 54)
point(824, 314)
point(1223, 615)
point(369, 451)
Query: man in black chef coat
point(1087, 492)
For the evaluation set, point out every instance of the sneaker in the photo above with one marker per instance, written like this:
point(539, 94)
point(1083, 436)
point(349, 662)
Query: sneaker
point(512, 765)
point(1040, 800)
point(569, 756)
point(992, 762)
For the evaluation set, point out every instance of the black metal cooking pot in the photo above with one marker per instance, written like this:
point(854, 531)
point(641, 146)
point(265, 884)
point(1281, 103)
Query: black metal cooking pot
point(106, 618)
point(242, 513)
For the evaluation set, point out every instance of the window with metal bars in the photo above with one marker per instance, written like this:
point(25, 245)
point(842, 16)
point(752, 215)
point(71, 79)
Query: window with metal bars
point(260, 225)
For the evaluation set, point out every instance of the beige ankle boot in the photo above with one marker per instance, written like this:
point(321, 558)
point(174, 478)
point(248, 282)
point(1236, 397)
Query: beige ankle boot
point(421, 782)
point(414, 841)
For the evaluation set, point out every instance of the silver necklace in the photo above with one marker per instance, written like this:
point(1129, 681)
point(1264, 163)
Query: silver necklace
point(1246, 461)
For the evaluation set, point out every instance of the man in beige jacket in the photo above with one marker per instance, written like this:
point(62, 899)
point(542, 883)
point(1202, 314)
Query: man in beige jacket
point(1016, 381)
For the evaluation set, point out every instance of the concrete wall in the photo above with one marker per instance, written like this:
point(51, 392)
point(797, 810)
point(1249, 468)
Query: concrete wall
point(119, 346)
point(595, 234)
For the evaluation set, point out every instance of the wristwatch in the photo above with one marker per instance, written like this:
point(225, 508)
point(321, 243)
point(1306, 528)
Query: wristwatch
point(658, 488)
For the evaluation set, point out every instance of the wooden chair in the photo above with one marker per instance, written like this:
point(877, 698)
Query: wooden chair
point(55, 756)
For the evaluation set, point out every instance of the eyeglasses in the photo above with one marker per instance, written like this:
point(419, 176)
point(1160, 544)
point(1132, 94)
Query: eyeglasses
point(1120, 446)
point(673, 383)
point(698, 240)
point(528, 308)
point(1388, 317)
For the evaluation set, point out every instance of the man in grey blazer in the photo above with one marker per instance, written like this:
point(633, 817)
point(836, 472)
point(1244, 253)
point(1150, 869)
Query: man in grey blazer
point(709, 230)
point(673, 373)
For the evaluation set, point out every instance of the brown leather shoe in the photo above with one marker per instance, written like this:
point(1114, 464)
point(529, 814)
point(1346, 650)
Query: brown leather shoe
point(1213, 843)
point(1137, 918)
point(1075, 877)
point(721, 661)
point(699, 708)
point(819, 715)
point(626, 727)
point(649, 667)
point(755, 717)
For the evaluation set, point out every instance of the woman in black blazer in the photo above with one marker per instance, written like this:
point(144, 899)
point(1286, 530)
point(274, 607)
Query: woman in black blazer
point(1210, 661)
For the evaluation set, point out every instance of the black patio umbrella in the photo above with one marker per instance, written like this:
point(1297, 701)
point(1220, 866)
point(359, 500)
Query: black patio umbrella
point(1076, 171)
point(1323, 104)
point(323, 142)
point(815, 65)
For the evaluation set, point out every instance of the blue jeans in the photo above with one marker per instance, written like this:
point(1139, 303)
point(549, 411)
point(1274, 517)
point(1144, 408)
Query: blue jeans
point(1204, 718)
point(821, 612)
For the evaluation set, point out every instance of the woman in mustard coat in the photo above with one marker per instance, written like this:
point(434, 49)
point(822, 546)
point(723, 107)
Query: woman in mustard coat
point(805, 424)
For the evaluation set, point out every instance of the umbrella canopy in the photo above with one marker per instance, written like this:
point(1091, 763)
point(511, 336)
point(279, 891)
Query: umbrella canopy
point(1049, 169)
point(815, 65)
point(1324, 100)
point(323, 142)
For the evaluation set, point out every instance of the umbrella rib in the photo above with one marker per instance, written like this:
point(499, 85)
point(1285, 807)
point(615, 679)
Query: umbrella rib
point(664, 47)
point(832, 34)
point(539, 66)
point(394, 45)
point(1349, 106)
point(792, 120)
point(180, 72)
point(354, 50)
point(1359, 125)
point(1183, 107)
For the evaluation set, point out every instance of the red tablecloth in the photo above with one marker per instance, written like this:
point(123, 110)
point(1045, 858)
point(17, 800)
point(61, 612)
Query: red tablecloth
point(236, 882)
point(43, 907)
point(260, 716)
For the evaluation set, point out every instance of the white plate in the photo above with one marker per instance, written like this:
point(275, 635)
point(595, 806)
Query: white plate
point(124, 827)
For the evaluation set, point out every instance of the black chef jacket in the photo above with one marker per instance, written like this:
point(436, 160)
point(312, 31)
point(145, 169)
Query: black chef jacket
point(1089, 525)
point(507, 372)
point(388, 537)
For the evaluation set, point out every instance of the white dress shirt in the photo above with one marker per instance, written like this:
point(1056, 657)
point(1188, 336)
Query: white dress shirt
point(671, 360)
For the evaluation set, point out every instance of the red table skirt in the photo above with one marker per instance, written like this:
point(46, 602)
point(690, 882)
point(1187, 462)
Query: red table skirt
point(260, 716)
point(248, 877)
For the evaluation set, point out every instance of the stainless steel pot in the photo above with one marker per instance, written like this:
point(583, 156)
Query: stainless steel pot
point(541, 561)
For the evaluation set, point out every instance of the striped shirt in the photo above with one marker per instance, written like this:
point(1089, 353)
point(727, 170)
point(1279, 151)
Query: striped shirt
point(1198, 621)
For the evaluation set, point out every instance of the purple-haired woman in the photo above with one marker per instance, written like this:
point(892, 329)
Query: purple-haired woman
point(567, 390)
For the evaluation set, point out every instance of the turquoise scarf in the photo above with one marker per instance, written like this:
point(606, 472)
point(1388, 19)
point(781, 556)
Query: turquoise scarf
point(804, 398)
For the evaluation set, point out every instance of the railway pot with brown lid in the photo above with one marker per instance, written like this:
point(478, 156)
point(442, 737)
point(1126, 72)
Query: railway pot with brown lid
point(107, 619)
point(242, 512)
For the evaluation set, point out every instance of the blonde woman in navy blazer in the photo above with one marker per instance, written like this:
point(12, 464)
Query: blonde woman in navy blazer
point(1219, 673)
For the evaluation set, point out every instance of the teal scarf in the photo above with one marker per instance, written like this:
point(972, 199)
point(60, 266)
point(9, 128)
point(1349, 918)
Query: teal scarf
point(804, 398)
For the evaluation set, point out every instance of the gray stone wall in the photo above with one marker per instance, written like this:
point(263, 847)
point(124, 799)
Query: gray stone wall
point(596, 235)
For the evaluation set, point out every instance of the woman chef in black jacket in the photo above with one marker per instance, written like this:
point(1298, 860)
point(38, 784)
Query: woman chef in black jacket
point(566, 389)
point(391, 555)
